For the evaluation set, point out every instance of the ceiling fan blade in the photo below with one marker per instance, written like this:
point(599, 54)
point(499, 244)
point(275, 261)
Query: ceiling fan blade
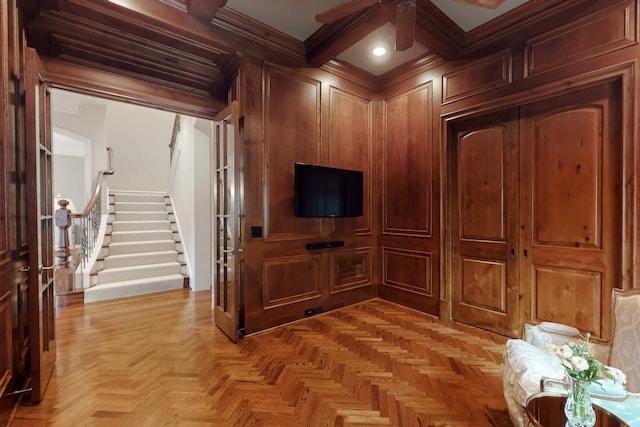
point(342, 10)
point(487, 4)
point(405, 24)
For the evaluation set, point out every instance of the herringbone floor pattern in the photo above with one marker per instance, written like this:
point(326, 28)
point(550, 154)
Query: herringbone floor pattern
point(158, 361)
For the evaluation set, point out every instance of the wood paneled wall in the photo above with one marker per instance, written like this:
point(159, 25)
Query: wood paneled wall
point(410, 243)
point(309, 116)
point(405, 247)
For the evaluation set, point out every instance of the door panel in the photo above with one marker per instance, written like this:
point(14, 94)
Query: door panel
point(227, 303)
point(484, 225)
point(571, 187)
point(40, 230)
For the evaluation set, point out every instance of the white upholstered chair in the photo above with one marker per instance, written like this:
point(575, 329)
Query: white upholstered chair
point(526, 362)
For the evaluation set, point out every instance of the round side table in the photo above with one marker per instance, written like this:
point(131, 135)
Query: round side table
point(546, 409)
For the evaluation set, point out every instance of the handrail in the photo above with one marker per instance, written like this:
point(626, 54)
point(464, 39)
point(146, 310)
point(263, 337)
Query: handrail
point(96, 191)
point(174, 136)
point(94, 198)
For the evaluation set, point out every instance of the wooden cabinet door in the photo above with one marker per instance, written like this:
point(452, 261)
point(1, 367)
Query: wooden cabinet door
point(484, 222)
point(571, 212)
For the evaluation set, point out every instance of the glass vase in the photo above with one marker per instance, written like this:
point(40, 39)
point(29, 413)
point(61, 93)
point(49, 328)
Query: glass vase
point(578, 408)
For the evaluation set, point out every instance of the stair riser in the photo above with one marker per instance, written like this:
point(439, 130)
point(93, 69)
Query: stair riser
point(140, 236)
point(155, 246)
point(138, 272)
point(144, 207)
point(133, 288)
point(141, 225)
point(135, 197)
point(141, 216)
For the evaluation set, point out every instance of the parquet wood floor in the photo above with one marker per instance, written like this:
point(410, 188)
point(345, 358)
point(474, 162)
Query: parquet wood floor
point(159, 361)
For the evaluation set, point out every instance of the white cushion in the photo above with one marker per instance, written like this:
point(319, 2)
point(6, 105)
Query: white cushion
point(525, 365)
point(539, 337)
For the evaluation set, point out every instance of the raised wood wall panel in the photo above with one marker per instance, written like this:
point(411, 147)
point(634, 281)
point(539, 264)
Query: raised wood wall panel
point(598, 34)
point(350, 269)
point(407, 270)
point(291, 279)
point(563, 217)
point(351, 120)
point(569, 297)
point(477, 77)
point(291, 134)
point(484, 284)
point(408, 163)
point(481, 157)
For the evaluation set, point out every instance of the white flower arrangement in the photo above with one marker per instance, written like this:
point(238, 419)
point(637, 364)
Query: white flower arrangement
point(581, 365)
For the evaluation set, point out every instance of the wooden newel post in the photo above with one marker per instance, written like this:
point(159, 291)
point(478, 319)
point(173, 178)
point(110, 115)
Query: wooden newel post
point(63, 222)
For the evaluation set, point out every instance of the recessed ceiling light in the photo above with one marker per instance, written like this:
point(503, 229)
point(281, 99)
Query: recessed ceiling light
point(379, 51)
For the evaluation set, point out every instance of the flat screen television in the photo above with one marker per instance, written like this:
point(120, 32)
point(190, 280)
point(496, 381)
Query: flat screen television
point(322, 191)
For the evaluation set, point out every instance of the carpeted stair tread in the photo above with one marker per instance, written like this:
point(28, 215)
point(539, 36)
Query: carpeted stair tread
point(140, 258)
point(140, 236)
point(119, 248)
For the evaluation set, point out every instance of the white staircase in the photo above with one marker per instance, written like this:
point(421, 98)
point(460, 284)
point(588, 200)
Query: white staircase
point(142, 250)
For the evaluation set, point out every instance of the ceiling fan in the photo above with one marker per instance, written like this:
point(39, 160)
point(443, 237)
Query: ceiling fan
point(405, 17)
point(405, 22)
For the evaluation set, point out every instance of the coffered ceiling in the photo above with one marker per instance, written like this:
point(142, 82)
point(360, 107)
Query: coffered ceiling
point(195, 45)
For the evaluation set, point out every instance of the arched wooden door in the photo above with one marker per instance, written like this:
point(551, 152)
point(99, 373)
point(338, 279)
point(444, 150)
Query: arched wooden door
point(484, 222)
point(537, 213)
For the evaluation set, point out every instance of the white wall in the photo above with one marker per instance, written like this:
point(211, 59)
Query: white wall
point(190, 191)
point(140, 140)
point(73, 116)
point(202, 168)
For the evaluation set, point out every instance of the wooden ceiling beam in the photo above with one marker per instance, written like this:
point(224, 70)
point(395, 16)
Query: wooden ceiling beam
point(204, 10)
point(437, 31)
point(333, 39)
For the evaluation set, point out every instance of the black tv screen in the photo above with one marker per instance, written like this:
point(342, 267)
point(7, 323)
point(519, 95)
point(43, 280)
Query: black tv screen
point(322, 191)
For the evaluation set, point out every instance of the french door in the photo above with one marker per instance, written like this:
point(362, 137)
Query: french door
point(537, 213)
point(227, 302)
point(40, 216)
